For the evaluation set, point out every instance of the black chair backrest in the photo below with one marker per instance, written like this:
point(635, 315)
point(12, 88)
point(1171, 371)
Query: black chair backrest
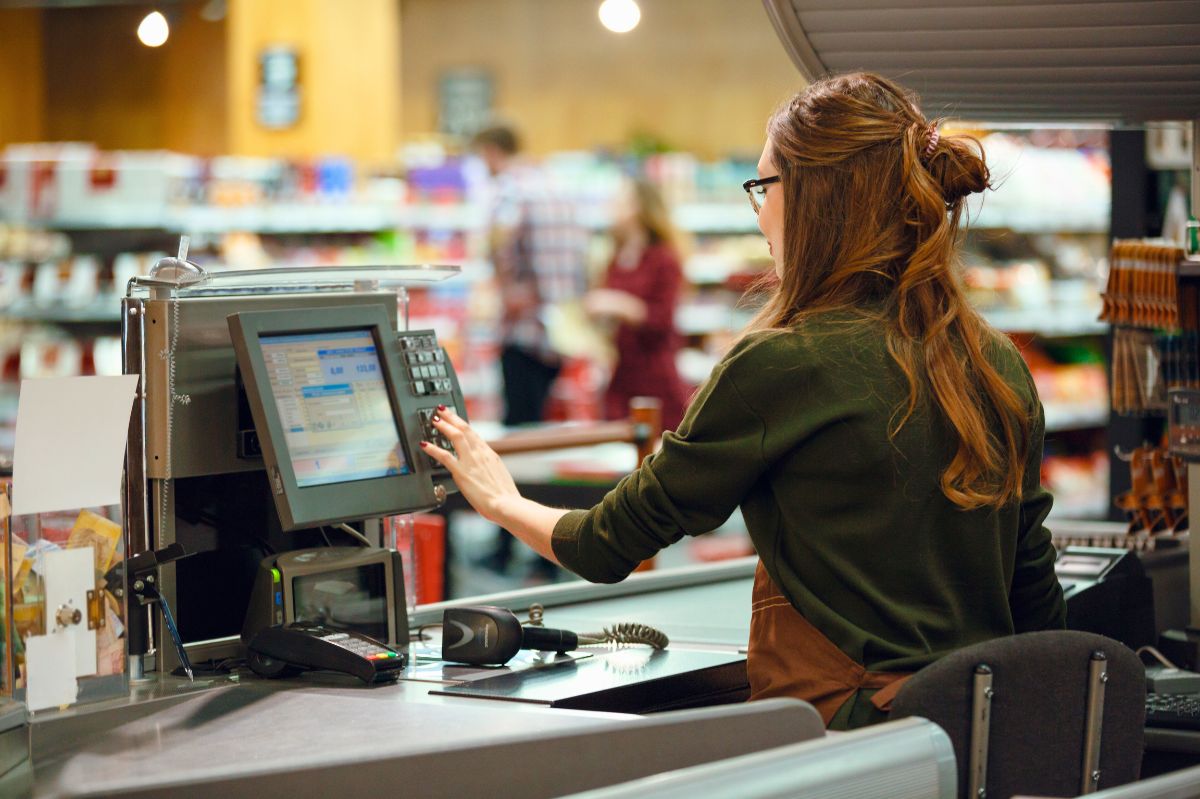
point(1038, 711)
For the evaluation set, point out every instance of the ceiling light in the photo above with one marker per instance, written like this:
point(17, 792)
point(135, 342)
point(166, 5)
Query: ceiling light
point(153, 30)
point(620, 16)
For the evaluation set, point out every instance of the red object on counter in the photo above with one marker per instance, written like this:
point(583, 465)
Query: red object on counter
point(429, 554)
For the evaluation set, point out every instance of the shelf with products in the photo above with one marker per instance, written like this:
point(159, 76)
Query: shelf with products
point(255, 212)
point(78, 186)
point(358, 217)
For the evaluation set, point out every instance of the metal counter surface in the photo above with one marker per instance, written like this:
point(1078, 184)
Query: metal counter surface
point(257, 726)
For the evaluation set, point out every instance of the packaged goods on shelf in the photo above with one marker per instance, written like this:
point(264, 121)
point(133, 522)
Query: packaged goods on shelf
point(1079, 484)
point(1154, 345)
point(1070, 380)
point(1022, 284)
point(1078, 170)
point(24, 244)
point(79, 185)
point(1157, 500)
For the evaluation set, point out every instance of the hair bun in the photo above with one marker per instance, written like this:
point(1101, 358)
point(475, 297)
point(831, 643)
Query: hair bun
point(957, 165)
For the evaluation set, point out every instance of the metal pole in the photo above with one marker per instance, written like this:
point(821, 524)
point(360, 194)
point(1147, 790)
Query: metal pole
point(1097, 679)
point(981, 721)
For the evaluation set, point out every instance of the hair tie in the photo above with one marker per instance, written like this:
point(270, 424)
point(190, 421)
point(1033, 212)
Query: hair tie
point(934, 136)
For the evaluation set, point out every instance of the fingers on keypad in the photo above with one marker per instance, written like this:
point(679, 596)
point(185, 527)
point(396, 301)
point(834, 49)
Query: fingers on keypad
point(433, 435)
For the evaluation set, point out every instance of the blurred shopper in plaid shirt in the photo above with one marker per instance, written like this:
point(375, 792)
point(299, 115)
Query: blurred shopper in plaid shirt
point(540, 257)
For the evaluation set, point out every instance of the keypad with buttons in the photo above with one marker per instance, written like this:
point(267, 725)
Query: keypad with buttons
point(363, 647)
point(426, 364)
point(432, 435)
point(431, 378)
point(430, 375)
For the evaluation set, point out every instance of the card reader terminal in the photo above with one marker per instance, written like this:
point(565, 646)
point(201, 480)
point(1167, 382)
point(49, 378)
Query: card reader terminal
point(286, 651)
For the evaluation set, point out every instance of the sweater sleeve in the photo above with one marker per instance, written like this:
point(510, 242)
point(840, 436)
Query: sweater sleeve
point(702, 473)
point(1036, 597)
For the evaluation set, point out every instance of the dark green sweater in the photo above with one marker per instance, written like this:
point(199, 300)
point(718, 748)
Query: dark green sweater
point(850, 524)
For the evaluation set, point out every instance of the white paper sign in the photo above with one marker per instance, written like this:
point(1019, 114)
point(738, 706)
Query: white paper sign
point(70, 443)
point(69, 573)
point(50, 664)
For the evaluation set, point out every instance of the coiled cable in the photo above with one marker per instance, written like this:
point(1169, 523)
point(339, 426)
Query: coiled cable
point(625, 634)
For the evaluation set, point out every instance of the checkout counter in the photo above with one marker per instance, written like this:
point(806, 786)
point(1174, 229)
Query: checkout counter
point(278, 420)
point(499, 735)
point(231, 502)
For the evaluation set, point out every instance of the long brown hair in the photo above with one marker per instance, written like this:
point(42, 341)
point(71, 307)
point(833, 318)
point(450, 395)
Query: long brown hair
point(873, 198)
point(652, 214)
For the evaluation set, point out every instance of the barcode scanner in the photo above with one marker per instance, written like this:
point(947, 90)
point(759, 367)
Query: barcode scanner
point(485, 635)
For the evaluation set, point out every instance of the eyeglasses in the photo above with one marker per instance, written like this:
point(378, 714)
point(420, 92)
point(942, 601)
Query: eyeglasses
point(756, 190)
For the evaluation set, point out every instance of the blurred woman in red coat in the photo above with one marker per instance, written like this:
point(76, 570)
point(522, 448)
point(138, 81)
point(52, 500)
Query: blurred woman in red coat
point(639, 294)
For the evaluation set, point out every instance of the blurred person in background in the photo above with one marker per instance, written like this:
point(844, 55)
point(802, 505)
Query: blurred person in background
point(539, 253)
point(639, 295)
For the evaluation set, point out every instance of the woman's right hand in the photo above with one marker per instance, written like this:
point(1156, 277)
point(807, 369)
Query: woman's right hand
point(485, 482)
point(480, 475)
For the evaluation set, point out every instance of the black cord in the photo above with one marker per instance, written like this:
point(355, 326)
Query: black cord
point(420, 634)
point(325, 536)
point(213, 667)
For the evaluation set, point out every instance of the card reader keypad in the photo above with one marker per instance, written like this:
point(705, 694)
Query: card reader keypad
point(363, 647)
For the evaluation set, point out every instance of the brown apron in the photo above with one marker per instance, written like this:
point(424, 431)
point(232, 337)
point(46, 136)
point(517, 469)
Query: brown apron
point(788, 656)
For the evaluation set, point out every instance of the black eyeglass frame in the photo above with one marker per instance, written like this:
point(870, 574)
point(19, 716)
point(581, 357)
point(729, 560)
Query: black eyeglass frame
point(751, 185)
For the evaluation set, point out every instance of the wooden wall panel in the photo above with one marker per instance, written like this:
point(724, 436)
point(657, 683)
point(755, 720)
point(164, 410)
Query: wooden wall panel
point(195, 85)
point(701, 74)
point(350, 76)
point(104, 86)
point(22, 85)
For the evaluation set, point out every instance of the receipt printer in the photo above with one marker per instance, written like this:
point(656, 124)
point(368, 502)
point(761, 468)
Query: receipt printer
point(1107, 593)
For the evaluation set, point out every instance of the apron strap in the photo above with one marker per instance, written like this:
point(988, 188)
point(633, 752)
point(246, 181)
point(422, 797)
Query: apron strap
point(883, 698)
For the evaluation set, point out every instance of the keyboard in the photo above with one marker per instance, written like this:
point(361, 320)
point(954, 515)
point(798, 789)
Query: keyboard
point(1177, 711)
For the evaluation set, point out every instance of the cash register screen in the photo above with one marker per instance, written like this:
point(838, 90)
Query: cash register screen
point(333, 405)
point(348, 599)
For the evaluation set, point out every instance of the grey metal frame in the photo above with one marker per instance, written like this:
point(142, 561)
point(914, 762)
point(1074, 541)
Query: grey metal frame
point(204, 364)
point(981, 707)
point(1097, 679)
point(135, 500)
point(981, 720)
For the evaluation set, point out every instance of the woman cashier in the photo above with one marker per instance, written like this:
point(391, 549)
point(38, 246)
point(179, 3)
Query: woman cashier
point(883, 442)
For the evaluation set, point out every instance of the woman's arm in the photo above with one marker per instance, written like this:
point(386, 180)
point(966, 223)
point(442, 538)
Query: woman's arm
point(1036, 597)
point(486, 484)
point(702, 473)
point(606, 303)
